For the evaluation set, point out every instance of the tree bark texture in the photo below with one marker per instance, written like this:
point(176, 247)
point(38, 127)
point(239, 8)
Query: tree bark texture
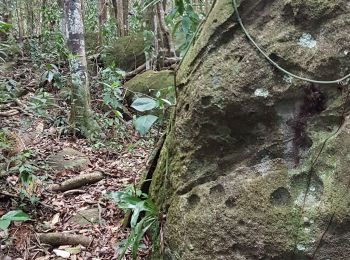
point(81, 114)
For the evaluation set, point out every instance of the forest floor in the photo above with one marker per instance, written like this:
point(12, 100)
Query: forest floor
point(36, 162)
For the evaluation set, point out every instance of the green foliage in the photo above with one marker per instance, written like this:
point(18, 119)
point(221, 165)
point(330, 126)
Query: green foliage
point(144, 123)
point(139, 204)
point(142, 104)
point(52, 76)
point(40, 102)
point(184, 22)
point(90, 17)
point(4, 27)
point(111, 93)
point(14, 215)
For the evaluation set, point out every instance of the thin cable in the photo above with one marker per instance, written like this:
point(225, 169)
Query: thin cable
point(274, 63)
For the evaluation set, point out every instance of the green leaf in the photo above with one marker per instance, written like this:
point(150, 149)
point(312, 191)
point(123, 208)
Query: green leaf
point(180, 6)
point(144, 123)
point(50, 76)
point(4, 224)
point(144, 104)
point(15, 215)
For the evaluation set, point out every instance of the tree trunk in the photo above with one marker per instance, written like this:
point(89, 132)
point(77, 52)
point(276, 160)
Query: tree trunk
point(81, 114)
point(166, 46)
point(121, 10)
point(255, 163)
point(102, 16)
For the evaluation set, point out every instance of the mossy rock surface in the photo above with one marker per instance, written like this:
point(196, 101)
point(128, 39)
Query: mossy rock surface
point(255, 164)
point(127, 53)
point(68, 159)
point(150, 82)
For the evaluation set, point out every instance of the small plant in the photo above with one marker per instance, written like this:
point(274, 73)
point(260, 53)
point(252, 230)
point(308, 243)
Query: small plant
point(112, 95)
point(4, 27)
point(142, 104)
point(40, 103)
point(14, 215)
point(144, 217)
point(24, 166)
point(52, 76)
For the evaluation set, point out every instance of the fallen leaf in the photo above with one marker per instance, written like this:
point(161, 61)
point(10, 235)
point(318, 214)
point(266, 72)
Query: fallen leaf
point(55, 219)
point(74, 250)
point(62, 253)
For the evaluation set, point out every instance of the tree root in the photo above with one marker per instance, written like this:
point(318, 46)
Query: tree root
point(10, 112)
point(59, 239)
point(78, 181)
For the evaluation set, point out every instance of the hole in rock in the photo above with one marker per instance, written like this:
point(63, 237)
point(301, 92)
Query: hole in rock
point(230, 202)
point(217, 189)
point(206, 100)
point(280, 197)
point(193, 200)
point(187, 107)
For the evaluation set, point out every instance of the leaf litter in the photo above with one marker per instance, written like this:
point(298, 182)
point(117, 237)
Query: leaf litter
point(52, 211)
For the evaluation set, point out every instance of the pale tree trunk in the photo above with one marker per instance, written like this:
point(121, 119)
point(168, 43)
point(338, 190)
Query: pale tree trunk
point(166, 47)
point(81, 114)
point(121, 11)
point(102, 16)
point(163, 46)
point(19, 20)
point(125, 17)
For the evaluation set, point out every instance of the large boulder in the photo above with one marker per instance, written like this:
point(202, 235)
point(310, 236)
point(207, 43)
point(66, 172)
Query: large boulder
point(256, 164)
point(127, 53)
point(150, 82)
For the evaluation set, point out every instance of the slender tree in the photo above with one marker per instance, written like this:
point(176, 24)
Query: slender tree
point(81, 113)
point(102, 16)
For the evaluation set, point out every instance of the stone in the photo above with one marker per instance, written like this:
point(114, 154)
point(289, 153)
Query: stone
point(126, 53)
point(68, 158)
point(85, 217)
point(150, 82)
point(240, 169)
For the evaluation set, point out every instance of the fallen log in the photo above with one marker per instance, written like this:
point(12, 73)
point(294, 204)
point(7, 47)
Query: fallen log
point(78, 181)
point(59, 239)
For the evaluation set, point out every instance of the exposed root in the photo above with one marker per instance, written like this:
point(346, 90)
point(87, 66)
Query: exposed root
point(10, 112)
point(78, 181)
point(58, 239)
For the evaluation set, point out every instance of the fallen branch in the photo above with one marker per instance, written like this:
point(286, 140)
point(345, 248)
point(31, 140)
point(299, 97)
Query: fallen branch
point(133, 73)
point(167, 62)
point(78, 181)
point(69, 192)
point(59, 239)
point(11, 112)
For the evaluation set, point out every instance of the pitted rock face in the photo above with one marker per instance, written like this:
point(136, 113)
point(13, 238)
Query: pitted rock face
point(255, 165)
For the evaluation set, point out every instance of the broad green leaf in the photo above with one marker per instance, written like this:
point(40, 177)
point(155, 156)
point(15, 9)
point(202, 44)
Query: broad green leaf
point(144, 104)
point(144, 123)
point(4, 224)
point(50, 76)
point(15, 215)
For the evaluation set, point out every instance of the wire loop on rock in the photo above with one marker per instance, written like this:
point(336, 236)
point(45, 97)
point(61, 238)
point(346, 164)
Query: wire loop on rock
point(343, 80)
